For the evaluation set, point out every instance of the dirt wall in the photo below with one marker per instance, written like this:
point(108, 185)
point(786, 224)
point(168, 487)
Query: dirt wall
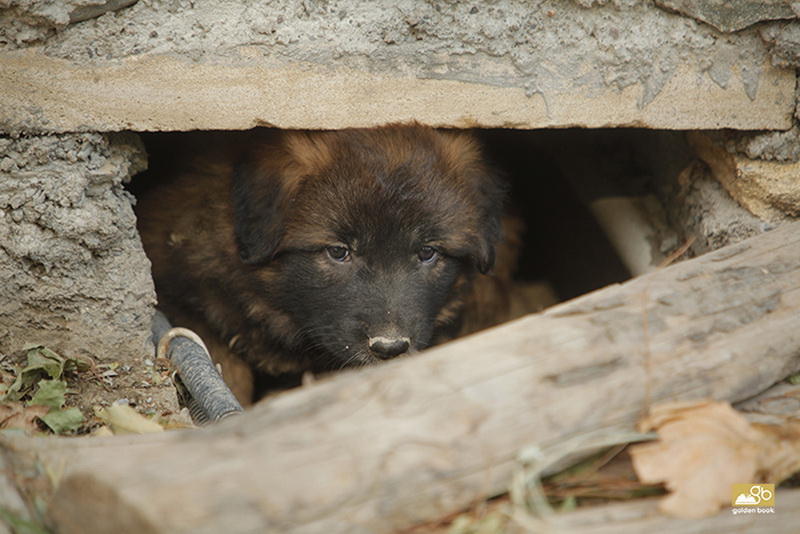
point(74, 275)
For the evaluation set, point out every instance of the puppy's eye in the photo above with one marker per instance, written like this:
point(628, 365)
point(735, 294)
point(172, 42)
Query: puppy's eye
point(337, 253)
point(428, 254)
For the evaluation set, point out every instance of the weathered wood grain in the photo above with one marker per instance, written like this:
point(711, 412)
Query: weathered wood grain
point(381, 449)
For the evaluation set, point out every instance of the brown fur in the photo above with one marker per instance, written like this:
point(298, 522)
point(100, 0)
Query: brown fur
point(211, 265)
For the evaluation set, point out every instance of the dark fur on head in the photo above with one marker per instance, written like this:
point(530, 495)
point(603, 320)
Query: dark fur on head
point(313, 245)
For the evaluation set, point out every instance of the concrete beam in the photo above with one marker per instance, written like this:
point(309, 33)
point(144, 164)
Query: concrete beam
point(511, 64)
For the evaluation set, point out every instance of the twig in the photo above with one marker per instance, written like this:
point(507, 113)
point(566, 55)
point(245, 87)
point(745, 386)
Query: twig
point(680, 251)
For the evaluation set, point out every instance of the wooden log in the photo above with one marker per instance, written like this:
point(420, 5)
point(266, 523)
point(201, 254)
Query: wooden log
point(384, 448)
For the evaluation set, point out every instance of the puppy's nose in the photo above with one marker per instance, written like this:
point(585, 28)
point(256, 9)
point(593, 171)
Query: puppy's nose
point(388, 347)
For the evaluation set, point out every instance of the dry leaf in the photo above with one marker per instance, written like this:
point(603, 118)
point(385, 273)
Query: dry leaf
point(705, 448)
point(19, 416)
point(784, 457)
point(125, 420)
point(50, 393)
point(42, 363)
point(63, 420)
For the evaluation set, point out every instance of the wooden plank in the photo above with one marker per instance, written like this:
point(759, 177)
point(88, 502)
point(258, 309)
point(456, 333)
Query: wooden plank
point(387, 447)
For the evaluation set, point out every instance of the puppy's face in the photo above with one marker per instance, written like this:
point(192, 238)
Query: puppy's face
point(366, 239)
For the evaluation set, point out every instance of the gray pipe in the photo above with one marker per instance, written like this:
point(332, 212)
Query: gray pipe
point(208, 397)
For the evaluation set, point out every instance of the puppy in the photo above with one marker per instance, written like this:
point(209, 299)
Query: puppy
point(314, 251)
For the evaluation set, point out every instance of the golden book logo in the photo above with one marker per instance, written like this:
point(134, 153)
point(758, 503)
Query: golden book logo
point(761, 496)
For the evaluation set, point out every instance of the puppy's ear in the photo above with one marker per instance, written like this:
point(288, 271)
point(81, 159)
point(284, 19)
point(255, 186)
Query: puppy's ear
point(484, 260)
point(491, 194)
point(265, 184)
point(463, 158)
point(261, 196)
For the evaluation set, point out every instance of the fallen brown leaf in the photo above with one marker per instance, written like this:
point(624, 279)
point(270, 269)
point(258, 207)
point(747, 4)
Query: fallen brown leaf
point(705, 448)
point(19, 416)
point(784, 456)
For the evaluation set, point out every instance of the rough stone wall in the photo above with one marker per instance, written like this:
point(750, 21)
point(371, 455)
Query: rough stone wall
point(74, 275)
point(759, 170)
point(700, 207)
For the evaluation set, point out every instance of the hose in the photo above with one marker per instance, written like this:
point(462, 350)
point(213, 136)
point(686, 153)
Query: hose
point(199, 383)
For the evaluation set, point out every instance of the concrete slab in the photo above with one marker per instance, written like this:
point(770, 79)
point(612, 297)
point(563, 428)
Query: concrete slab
point(155, 66)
